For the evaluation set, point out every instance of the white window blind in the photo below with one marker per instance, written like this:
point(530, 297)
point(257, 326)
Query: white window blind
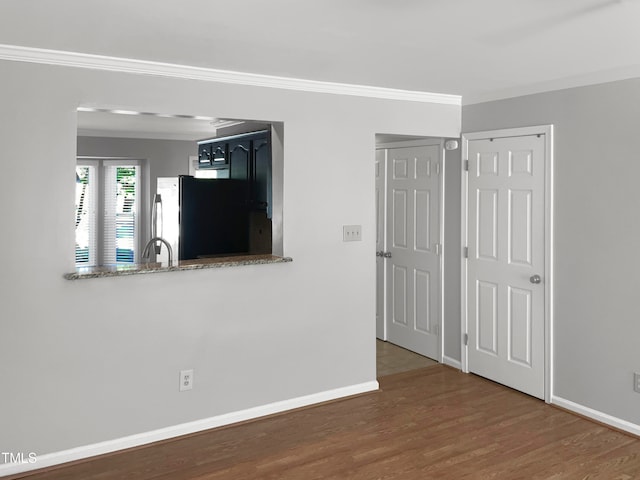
point(108, 207)
point(121, 212)
point(85, 218)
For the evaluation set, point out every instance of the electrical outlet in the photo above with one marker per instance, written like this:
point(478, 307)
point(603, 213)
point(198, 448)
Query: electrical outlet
point(186, 380)
point(636, 382)
point(351, 233)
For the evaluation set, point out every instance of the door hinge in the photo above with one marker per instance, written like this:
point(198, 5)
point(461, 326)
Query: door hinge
point(466, 165)
point(438, 248)
point(438, 168)
point(465, 252)
point(436, 329)
point(465, 339)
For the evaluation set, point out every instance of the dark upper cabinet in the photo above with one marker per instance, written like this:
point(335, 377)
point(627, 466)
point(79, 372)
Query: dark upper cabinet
point(261, 174)
point(204, 154)
point(239, 155)
point(248, 157)
point(219, 154)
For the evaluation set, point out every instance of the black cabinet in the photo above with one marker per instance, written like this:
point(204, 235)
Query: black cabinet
point(204, 154)
point(260, 178)
point(212, 155)
point(219, 155)
point(239, 155)
point(247, 157)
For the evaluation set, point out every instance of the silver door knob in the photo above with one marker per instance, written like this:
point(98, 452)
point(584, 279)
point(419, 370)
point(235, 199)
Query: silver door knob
point(379, 253)
point(535, 279)
point(386, 254)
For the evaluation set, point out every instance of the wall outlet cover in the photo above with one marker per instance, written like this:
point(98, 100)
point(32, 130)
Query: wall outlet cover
point(186, 380)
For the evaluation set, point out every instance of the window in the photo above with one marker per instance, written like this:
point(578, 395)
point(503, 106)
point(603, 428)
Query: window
point(113, 188)
point(86, 229)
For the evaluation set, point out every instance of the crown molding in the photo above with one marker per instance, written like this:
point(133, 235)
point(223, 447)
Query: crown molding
point(144, 67)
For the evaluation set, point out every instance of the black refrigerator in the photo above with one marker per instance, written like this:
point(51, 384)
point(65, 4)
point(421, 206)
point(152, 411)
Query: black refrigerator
point(201, 217)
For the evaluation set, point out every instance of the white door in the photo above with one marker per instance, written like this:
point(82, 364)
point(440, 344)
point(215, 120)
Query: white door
point(380, 223)
point(413, 236)
point(506, 261)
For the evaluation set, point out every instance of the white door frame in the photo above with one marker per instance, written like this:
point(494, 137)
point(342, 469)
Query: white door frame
point(423, 143)
point(547, 131)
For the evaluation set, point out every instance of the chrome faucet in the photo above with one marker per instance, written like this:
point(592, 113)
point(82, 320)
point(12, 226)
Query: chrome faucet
point(147, 249)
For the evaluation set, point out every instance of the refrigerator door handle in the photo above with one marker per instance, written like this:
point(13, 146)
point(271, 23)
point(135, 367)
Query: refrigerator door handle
point(157, 205)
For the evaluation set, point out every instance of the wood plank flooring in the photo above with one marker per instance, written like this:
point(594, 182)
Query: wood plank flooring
point(392, 359)
point(432, 423)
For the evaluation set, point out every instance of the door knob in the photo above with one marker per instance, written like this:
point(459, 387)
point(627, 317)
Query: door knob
point(535, 279)
point(386, 254)
point(379, 253)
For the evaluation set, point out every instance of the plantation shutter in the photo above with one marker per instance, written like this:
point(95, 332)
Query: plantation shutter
point(121, 211)
point(85, 218)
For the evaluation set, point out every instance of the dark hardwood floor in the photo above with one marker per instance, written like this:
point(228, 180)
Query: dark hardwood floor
point(432, 423)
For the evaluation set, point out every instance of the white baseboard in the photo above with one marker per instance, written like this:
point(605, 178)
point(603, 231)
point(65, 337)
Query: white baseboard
point(597, 415)
point(86, 451)
point(452, 362)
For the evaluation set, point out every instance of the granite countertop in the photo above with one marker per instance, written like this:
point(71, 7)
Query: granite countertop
point(199, 264)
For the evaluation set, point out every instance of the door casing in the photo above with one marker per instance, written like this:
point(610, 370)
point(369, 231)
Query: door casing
point(547, 131)
point(441, 199)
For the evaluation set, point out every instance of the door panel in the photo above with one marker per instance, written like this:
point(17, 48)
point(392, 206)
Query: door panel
point(487, 317)
point(506, 247)
point(520, 227)
point(487, 214)
point(399, 295)
point(413, 230)
point(422, 201)
point(422, 283)
point(399, 218)
point(520, 325)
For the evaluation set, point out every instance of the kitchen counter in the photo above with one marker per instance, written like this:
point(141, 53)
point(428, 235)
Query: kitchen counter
point(82, 273)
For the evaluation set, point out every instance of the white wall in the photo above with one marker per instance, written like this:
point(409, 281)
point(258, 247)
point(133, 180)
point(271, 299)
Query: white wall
point(597, 228)
point(92, 360)
point(167, 158)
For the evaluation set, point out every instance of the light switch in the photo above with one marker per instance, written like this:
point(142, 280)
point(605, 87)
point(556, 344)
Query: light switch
point(351, 233)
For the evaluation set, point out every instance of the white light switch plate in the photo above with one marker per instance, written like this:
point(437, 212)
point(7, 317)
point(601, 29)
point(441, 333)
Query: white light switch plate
point(351, 233)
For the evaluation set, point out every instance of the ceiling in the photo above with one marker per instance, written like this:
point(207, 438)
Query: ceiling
point(127, 124)
point(481, 50)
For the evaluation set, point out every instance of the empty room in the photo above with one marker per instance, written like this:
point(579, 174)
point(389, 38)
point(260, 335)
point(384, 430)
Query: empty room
point(359, 240)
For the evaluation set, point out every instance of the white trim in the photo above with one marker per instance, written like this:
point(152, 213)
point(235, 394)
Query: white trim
point(427, 142)
point(145, 67)
point(130, 441)
point(464, 216)
point(452, 362)
point(385, 336)
point(549, 262)
point(443, 248)
point(547, 131)
point(597, 415)
point(509, 132)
